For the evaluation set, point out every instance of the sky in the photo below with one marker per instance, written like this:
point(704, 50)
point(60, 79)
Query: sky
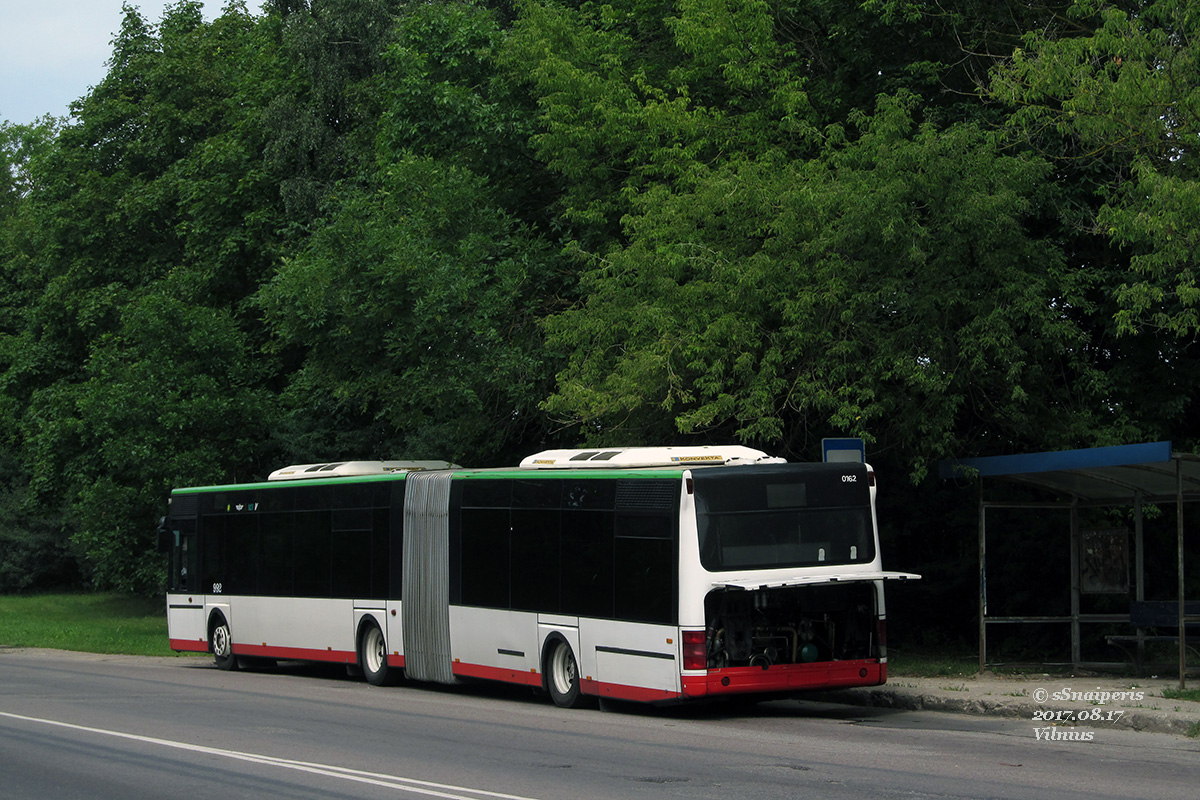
point(53, 51)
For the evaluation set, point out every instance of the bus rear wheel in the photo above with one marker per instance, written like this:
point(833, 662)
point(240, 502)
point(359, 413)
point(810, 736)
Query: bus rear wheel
point(221, 639)
point(562, 676)
point(372, 655)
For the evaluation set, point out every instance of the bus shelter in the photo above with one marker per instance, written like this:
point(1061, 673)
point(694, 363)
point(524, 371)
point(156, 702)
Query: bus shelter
point(1131, 476)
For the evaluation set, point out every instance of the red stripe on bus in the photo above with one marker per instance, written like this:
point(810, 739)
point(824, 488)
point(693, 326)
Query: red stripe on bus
point(717, 682)
point(296, 653)
point(616, 691)
point(785, 678)
point(620, 691)
point(522, 677)
point(286, 653)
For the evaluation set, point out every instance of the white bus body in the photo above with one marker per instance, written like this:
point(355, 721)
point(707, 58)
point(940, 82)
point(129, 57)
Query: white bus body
point(649, 574)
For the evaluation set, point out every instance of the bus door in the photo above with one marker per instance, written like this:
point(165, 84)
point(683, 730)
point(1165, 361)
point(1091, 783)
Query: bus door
point(185, 600)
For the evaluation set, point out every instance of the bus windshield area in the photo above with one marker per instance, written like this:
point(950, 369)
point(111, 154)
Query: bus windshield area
point(788, 516)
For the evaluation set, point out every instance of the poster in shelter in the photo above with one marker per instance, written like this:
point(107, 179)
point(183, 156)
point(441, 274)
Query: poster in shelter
point(1104, 562)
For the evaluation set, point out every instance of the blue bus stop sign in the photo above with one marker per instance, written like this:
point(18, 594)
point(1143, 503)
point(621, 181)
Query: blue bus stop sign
point(843, 450)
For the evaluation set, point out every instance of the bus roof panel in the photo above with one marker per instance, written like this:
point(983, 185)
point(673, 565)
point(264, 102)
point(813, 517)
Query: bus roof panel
point(344, 469)
point(633, 457)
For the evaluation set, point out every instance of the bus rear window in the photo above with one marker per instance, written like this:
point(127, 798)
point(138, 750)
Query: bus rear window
point(795, 515)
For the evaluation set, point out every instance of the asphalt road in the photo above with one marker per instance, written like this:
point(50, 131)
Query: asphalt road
point(123, 728)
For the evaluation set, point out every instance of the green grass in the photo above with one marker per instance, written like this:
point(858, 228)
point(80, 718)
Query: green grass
point(935, 663)
point(91, 623)
point(1182, 694)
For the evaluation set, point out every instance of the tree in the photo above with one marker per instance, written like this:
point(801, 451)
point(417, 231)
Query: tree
point(130, 258)
point(20, 147)
point(464, 229)
point(320, 120)
point(172, 397)
point(890, 289)
point(778, 250)
point(414, 308)
point(442, 95)
point(1122, 89)
point(631, 95)
point(409, 319)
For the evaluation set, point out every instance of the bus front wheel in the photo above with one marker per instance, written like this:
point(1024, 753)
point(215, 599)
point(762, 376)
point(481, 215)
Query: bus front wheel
point(562, 676)
point(222, 645)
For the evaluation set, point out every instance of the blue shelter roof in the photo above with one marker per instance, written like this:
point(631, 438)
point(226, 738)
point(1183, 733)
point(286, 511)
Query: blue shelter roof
point(1117, 474)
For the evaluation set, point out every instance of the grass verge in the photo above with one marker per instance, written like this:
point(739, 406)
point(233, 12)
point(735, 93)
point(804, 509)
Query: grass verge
point(1182, 694)
point(931, 664)
point(91, 623)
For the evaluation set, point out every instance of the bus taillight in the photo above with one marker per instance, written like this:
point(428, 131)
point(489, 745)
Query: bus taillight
point(695, 654)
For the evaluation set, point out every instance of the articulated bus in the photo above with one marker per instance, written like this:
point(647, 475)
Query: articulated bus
point(647, 574)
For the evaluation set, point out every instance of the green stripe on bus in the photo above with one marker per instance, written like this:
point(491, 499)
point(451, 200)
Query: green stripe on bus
point(496, 474)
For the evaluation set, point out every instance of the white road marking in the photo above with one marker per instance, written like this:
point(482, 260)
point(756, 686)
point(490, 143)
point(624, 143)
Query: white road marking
point(358, 776)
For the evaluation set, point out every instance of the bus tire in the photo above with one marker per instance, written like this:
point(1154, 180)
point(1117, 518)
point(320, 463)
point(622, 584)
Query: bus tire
point(372, 656)
point(562, 675)
point(221, 640)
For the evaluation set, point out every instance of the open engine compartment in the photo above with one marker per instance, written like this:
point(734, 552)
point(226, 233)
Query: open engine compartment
point(790, 625)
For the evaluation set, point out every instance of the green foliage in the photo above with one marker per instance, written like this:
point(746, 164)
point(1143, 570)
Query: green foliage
point(467, 230)
point(410, 314)
point(20, 147)
point(129, 258)
point(442, 96)
point(319, 118)
point(1124, 90)
point(634, 94)
point(171, 398)
point(35, 553)
point(414, 305)
point(892, 279)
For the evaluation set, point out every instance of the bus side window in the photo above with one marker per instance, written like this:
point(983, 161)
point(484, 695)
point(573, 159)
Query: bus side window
point(486, 540)
point(587, 563)
point(535, 580)
point(645, 558)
